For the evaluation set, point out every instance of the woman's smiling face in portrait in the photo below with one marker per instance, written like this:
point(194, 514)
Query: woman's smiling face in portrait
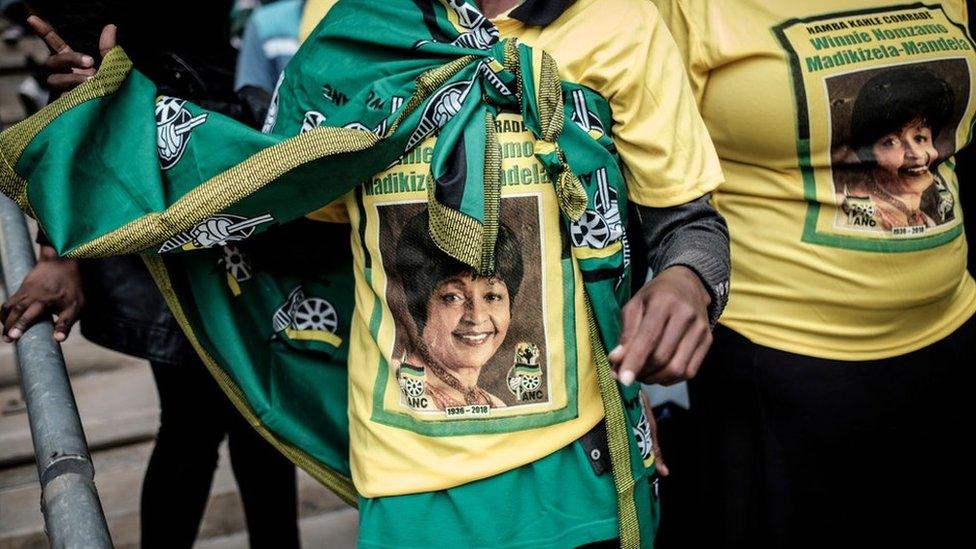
point(467, 320)
point(907, 154)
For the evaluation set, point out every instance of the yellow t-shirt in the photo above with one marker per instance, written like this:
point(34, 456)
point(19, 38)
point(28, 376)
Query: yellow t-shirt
point(522, 334)
point(836, 122)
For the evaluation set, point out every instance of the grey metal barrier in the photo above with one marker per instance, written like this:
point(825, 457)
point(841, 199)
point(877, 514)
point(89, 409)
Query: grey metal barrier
point(73, 516)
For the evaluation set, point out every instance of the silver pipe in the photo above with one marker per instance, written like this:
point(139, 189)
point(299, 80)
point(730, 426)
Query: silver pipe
point(73, 516)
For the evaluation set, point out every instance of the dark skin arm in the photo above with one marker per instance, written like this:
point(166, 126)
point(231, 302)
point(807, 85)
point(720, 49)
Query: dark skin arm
point(54, 285)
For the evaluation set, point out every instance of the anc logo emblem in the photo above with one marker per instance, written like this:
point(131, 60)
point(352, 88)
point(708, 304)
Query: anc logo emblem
point(411, 379)
point(173, 126)
point(525, 377)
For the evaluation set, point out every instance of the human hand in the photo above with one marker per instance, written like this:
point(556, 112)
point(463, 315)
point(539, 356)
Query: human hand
point(68, 67)
point(54, 287)
point(664, 329)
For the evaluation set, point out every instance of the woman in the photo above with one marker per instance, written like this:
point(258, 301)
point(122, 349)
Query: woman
point(461, 319)
point(833, 403)
point(562, 485)
point(897, 118)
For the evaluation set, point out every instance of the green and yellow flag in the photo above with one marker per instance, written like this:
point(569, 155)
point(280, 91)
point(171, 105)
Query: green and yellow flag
point(266, 296)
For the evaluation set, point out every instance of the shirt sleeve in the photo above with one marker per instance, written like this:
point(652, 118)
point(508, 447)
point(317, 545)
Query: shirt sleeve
point(667, 154)
point(683, 21)
point(693, 235)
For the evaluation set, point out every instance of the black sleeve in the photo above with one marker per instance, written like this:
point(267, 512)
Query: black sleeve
point(693, 235)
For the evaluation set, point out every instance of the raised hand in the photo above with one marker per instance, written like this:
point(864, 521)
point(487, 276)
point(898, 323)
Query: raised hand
point(68, 67)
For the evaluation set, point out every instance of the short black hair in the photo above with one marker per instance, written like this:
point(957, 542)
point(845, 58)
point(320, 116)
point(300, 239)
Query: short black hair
point(895, 98)
point(422, 266)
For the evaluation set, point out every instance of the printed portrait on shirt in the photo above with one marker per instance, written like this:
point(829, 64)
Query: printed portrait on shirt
point(892, 129)
point(466, 344)
point(883, 104)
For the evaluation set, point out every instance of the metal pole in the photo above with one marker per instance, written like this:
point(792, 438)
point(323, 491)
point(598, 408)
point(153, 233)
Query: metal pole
point(73, 514)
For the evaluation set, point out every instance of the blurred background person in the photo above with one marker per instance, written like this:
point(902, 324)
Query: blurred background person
point(269, 41)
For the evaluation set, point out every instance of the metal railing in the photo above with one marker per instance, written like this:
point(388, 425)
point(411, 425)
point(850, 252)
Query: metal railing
point(73, 516)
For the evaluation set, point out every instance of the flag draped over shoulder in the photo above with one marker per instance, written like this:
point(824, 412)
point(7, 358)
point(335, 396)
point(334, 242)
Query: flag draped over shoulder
point(218, 208)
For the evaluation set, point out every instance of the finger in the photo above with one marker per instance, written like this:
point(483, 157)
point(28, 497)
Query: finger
point(698, 357)
point(46, 32)
point(659, 464)
point(668, 374)
point(16, 308)
point(662, 468)
point(630, 319)
point(26, 320)
point(4, 310)
point(692, 338)
point(663, 376)
point(66, 81)
point(639, 349)
point(674, 334)
point(63, 62)
point(65, 321)
point(108, 39)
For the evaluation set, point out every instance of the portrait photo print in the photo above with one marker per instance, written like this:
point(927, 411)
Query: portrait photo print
point(891, 128)
point(466, 344)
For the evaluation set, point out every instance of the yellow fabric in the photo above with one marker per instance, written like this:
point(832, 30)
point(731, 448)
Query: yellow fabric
point(668, 160)
point(667, 155)
point(825, 287)
point(312, 13)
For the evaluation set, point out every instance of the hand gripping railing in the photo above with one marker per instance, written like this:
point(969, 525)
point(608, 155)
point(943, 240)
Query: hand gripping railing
point(73, 516)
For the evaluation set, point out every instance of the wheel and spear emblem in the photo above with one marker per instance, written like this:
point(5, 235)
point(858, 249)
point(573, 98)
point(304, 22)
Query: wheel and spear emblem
point(174, 123)
point(216, 230)
point(600, 226)
point(305, 313)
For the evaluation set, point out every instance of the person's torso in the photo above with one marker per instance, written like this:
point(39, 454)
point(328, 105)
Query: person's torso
point(537, 392)
point(836, 123)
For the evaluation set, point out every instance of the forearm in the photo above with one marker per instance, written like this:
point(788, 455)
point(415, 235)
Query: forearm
point(693, 235)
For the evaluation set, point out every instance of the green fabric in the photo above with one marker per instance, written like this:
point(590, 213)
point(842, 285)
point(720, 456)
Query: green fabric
point(266, 299)
point(556, 502)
